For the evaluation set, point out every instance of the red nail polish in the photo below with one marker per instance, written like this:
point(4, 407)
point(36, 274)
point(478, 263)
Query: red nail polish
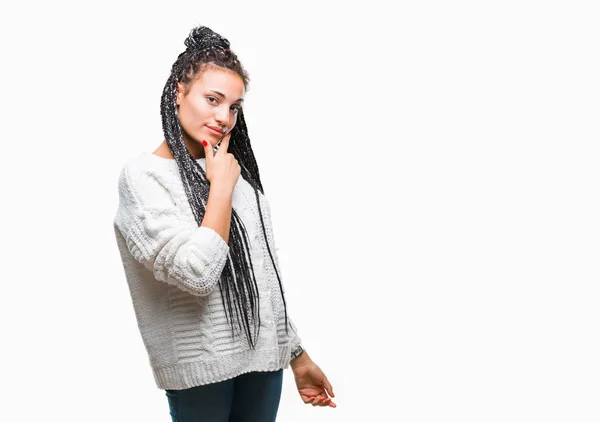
point(204, 143)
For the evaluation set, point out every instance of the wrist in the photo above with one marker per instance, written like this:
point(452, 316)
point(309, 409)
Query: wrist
point(300, 360)
point(220, 191)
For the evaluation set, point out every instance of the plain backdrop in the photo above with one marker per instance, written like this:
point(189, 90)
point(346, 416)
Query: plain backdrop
point(432, 169)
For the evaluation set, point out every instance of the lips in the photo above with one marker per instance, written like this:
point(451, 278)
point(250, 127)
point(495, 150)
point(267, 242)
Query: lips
point(215, 130)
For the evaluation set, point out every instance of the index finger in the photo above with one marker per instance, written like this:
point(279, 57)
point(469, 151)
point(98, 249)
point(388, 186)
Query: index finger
point(224, 144)
point(208, 152)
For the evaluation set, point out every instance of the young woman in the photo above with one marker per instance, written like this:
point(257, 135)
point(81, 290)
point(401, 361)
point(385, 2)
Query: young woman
point(194, 231)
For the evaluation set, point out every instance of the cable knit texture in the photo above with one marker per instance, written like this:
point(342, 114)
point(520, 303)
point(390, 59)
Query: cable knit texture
point(173, 266)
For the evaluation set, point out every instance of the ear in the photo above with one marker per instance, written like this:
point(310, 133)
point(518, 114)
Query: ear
point(179, 96)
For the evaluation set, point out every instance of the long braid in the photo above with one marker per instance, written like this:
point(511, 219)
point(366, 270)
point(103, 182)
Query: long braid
point(254, 180)
point(239, 289)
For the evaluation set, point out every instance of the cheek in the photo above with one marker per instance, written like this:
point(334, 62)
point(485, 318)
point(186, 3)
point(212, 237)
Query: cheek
point(194, 113)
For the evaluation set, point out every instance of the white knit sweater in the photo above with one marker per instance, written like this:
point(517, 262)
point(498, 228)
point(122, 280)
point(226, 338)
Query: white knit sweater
point(173, 266)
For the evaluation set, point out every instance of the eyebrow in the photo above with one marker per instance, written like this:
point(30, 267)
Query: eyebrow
point(224, 97)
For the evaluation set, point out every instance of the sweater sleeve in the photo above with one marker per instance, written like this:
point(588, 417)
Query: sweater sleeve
point(295, 339)
point(160, 237)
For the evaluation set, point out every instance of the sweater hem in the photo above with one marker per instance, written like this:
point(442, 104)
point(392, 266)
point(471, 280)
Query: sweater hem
point(201, 372)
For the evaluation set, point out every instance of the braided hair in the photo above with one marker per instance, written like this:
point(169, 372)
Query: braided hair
point(239, 290)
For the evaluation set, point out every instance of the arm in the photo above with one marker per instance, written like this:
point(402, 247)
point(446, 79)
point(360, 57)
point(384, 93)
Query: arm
point(218, 212)
point(161, 237)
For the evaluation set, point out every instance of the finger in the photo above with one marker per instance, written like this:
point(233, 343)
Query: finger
point(319, 400)
point(225, 143)
point(329, 388)
point(208, 151)
point(327, 402)
point(306, 399)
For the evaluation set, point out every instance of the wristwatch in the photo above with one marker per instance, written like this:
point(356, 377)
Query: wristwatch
point(297, 352)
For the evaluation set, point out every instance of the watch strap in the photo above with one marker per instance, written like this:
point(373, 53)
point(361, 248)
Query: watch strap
point(297, 351)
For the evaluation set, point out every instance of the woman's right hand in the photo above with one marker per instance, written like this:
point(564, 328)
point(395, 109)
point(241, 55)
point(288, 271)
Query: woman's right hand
point(222, 169)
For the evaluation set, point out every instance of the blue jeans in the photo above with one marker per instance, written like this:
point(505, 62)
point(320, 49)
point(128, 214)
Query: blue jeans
point(250, 397)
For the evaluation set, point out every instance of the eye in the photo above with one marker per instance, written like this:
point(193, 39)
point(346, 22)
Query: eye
point(234, 108)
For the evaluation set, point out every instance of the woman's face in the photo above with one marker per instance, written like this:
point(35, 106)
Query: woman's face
point(212, 102)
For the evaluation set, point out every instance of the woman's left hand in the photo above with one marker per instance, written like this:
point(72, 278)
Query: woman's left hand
point(313, 385)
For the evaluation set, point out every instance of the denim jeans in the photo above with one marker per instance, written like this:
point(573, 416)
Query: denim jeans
point(250, 397)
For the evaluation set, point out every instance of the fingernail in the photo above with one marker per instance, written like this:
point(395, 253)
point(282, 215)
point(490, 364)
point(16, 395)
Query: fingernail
point(204, 142)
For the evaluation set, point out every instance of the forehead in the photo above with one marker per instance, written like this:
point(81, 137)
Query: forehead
point(225, 81)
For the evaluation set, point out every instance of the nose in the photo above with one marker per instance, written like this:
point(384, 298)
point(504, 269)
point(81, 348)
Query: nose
point(222, 117)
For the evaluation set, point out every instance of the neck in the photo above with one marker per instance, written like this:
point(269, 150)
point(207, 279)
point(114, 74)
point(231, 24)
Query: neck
point(164, 151)
point(193, 147)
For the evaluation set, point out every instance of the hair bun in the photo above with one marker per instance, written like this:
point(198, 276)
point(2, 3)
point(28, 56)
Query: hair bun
point(202, 37)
